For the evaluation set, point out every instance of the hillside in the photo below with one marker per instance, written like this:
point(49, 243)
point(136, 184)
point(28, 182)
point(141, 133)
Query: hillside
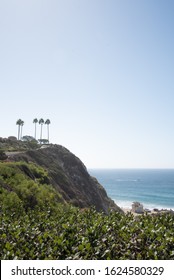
point(65, 173)
point(38, 189)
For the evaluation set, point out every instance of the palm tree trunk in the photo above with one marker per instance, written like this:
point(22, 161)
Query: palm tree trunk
point(41, 132)
point(18, 131)
point(48, 131)
point(21, 131)
point(35, 131)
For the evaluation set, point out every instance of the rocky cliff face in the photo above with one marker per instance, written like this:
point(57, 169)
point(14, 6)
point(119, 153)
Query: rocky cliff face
point(70, 177)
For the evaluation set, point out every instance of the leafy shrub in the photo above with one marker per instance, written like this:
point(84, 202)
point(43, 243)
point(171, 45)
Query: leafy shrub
point(2, 155)
point(31, 189)
point(70, 233)
point(34, 224)
point(9, 202)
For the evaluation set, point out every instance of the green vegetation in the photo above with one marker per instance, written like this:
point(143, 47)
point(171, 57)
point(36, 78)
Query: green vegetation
point(14, 145)
point(2, 155)
point(20, 192)
point(36, 224)
point(68, 233)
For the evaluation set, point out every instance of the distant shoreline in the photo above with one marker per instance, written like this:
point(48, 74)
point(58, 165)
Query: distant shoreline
point(150, 212)
point(128, 206)
point(153, 188)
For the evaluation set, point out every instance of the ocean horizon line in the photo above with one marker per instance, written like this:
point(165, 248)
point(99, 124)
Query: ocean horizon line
point(154, 188)
point(130, 168)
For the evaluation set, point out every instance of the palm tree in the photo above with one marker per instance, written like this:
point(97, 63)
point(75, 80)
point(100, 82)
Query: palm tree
point(35, 121)
point(19, 125)
point(22, 123)
point(41, 122)
point(48, 123)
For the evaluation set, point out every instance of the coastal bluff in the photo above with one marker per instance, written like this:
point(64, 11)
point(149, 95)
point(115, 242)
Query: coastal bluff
point(69, 176)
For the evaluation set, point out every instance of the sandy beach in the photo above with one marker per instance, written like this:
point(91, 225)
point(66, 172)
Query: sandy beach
point(150, 212)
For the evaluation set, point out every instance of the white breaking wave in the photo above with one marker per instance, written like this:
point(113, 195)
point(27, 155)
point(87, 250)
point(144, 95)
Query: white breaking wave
point(128, 205)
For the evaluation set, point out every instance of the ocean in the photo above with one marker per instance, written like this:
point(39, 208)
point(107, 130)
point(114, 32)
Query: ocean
point(154, 188)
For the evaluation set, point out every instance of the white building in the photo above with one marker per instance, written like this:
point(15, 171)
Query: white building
point(137, 207)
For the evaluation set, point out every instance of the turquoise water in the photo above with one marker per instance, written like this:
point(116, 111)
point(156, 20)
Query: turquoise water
point(152, 187)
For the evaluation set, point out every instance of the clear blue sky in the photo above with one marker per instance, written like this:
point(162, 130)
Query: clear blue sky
point(101, 70)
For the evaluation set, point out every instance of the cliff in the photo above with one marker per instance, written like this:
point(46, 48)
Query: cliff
point(66, 173)
point(69, 177)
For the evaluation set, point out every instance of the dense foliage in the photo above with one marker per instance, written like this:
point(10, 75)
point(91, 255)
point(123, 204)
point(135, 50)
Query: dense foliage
point(35, 224)
point(11, 144)
point(70, 233)
point(22, 191)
